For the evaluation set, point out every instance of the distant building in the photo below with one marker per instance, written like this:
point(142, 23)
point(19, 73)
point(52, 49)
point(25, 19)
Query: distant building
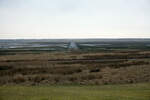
point(72, 46)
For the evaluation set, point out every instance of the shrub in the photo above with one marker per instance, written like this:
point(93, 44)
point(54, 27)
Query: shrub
point(19, 78)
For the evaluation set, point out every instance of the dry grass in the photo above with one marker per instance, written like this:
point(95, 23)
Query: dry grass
point(74, 68)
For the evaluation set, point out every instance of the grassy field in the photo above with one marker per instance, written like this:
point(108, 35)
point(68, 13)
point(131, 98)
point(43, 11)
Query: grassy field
point(139, 91)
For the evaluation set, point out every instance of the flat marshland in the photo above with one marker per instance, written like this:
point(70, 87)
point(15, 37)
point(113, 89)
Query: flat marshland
point(102, 72)
point(75, 68)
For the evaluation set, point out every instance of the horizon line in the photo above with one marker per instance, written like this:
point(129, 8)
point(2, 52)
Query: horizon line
point(73, 38)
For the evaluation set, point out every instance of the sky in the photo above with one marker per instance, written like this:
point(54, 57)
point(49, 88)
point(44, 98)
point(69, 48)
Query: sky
point(21, 19)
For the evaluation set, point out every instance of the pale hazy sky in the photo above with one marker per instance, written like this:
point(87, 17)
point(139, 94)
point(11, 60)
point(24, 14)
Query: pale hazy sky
point(74, 18)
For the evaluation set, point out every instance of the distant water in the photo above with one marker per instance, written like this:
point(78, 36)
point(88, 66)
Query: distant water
point(41, 44)
point(61, 44)
point(95, 44)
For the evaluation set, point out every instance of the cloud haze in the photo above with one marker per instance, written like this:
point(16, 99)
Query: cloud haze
point(74, 18)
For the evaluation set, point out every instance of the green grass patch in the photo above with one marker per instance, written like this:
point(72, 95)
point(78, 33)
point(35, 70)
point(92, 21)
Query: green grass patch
point(77, 92)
